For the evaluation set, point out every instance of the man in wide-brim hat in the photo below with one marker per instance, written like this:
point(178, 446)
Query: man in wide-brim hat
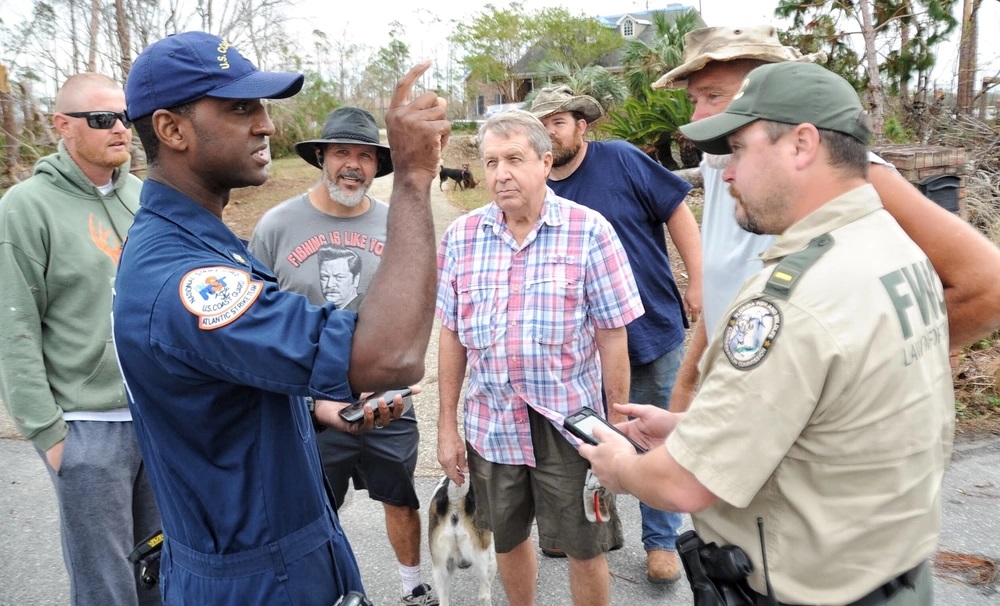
point(348, 125)
point(326, 244)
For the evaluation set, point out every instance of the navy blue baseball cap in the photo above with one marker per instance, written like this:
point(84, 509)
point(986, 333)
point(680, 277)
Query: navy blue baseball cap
point(185, 67)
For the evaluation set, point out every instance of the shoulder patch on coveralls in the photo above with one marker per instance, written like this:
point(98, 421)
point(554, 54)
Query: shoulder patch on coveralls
point(218, 295)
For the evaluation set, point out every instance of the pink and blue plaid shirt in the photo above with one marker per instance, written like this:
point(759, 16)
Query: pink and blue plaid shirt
point(527, 315)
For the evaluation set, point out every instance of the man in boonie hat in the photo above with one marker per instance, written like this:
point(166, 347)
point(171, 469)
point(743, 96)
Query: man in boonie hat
point(721, 44)
point(787, 94)
point(715, 65)
point(638, 197)
point(558, 99)
point(226, 372)
point(817, 443)
point(350, 155)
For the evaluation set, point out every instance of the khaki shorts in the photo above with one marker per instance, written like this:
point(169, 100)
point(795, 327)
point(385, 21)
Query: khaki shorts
point(510, 497)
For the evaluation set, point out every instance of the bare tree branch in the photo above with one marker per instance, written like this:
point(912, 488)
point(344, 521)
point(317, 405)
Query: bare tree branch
point(124, 38)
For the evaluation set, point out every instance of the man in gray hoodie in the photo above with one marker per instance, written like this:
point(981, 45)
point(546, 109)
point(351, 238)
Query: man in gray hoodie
point(61, 233)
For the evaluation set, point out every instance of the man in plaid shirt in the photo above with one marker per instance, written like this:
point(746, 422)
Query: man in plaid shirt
point(534, 295)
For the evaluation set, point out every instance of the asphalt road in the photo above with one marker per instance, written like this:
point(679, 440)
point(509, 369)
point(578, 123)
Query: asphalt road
point(32, 573)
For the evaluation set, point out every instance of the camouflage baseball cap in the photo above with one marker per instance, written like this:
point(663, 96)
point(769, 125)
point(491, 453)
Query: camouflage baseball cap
point(792, 93)
point(555, 99)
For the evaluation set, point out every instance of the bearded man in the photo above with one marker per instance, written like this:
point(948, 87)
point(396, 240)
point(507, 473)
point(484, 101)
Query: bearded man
point(337, 232)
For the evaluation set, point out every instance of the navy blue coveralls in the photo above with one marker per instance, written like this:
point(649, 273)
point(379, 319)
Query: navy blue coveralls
point(217, 362)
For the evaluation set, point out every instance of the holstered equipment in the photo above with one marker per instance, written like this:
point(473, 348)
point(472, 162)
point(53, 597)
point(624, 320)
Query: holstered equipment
point(146, 556)
point(353, 599)
point(717, 575)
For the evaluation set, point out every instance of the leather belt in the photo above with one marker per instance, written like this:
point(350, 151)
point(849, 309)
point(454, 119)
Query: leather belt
point(882, 593)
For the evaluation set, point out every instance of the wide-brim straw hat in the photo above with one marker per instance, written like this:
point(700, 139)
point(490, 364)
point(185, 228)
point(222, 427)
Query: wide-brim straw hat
point(708, 44)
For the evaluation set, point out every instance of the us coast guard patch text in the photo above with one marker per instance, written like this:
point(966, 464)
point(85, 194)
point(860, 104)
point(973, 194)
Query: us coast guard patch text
point(218, 295)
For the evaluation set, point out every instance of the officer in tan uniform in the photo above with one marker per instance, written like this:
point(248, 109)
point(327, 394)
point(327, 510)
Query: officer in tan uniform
point(823, 425)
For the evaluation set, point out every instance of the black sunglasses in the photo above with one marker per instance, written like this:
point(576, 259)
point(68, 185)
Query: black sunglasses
point(102, 120)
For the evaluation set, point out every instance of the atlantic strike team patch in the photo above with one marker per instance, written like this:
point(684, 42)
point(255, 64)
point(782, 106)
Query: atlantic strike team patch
point(750, 333)
point(218, 295)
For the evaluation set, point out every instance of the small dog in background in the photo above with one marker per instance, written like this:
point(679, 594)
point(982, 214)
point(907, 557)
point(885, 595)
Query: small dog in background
point(462, 177)
point(467, 179)
point(456, 542)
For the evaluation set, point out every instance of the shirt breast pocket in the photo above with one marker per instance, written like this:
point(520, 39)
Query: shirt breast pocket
point(555, 305)
point(479, 314)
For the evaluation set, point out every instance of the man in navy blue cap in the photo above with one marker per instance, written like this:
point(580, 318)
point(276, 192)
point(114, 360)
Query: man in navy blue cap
point(222, 367)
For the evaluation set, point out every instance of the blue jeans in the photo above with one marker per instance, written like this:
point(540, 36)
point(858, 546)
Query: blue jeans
point(652, 384)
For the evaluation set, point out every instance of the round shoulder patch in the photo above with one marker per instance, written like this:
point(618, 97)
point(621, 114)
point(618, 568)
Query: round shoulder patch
point(750, 333)
point(218, 295)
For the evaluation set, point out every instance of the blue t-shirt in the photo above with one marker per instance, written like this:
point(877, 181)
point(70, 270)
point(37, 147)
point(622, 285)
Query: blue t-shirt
point(637, 196)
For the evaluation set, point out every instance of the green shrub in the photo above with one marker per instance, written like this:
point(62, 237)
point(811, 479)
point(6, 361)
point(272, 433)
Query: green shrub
point(465, 126)
point(895, 132)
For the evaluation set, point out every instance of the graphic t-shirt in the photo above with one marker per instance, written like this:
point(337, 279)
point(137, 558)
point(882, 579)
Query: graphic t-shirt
point(323, 257)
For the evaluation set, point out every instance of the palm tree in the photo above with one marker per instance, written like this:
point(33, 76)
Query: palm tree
point(592, 80)
point(653, 125)
point(650, 119)
point(646, 61)
point(647, 118)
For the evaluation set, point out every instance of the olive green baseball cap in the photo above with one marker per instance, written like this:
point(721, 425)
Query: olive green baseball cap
point(792, 93)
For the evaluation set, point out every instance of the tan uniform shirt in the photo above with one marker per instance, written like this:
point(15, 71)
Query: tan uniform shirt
point(830, 414)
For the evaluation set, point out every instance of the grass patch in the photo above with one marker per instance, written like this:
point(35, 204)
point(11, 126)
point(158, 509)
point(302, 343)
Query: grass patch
point(469, 199)
point(465, 127)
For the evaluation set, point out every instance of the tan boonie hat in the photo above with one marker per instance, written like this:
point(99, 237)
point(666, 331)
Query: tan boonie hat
point(787, 92)
point(728, 44)
point(555, 99)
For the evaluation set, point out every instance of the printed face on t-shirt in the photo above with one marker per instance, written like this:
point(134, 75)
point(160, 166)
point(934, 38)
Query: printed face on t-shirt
point(338, 283)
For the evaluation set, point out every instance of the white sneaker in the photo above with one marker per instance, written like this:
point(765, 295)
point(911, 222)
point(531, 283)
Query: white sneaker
point(422, 595)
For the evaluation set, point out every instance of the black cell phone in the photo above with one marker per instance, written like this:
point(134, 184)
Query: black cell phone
point(581, 424)
point(356, 412)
